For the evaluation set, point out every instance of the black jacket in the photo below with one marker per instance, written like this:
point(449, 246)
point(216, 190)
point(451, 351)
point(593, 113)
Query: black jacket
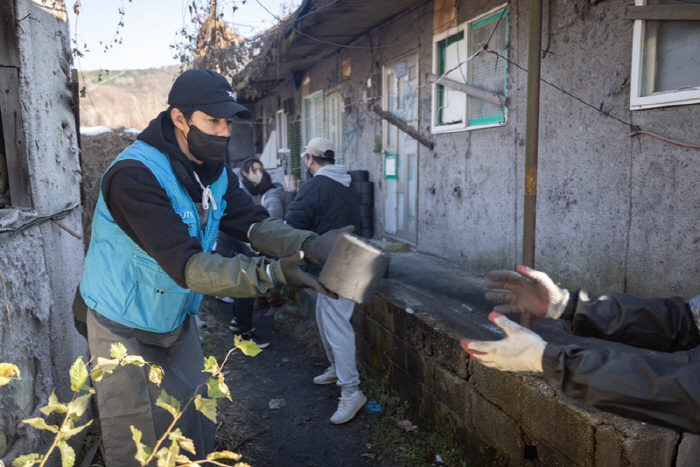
point(634, 385)
point(142, 209)
point(324, 204)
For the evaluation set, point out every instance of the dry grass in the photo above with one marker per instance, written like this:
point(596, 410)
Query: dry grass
point(97, 153)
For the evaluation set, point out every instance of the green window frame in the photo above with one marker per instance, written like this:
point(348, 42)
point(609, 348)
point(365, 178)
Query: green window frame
point(486, 71)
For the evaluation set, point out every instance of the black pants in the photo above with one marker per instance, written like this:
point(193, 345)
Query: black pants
point(229, 247)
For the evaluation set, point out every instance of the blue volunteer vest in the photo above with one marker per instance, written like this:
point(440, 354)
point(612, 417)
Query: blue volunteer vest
point(120, 280)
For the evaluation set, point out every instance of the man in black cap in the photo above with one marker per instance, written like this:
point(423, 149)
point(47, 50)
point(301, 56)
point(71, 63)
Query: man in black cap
point(161, 204)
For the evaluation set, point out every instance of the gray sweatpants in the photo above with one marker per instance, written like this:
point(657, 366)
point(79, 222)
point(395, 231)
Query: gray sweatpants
point(127, 397)
point(338, 337)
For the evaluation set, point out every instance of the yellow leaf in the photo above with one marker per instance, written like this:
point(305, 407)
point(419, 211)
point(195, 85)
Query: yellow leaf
point(223, 455)
point(78, 406)
point(211, 365)
point(28, 460)
point(134, 360)
point(156, 374)
point(249, 348)
point(143, 452)
point(118, 351)
point(168, 403)
point(8, 372)
point(53, 405)
point(67, 454)
point(78, 375)
point(217, 388)
point(40, 423)
point(104, 366)
point(68, 432)
point(206, 406)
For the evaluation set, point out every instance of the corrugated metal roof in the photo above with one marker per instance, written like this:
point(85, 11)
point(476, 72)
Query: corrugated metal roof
point(320, 29)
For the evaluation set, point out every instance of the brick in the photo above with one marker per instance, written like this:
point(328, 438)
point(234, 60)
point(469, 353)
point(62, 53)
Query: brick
point(497, 429)
point(550, 457)
point(452, 391)
point(417, 363)
point(558, 423)
point(608, 447)
point(688, 451)
point(652, 447)
point(501, 388)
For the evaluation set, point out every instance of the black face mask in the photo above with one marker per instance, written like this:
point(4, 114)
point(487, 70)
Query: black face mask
point(209, 149)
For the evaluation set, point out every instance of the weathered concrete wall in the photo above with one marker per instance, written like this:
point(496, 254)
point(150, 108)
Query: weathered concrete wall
point(614, 213)
point(41, 262)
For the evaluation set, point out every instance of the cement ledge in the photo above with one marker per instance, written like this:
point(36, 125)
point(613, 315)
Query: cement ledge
point(408, 337)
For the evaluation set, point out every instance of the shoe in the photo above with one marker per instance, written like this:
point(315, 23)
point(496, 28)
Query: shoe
point(234, 326)
point(348, 407)
point(327, 377)
point(272, 311)
point(250, 336)
point(224, 299)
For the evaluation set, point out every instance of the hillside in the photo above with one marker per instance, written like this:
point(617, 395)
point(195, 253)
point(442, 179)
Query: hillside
point(126, 98)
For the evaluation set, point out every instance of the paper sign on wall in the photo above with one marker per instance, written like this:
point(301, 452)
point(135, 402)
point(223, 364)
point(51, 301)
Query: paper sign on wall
point(390, 166)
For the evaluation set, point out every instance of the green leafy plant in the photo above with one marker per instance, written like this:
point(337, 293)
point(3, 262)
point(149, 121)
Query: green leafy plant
point(171, 455)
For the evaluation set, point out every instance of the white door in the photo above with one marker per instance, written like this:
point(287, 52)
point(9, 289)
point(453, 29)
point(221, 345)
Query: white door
point(400, 98)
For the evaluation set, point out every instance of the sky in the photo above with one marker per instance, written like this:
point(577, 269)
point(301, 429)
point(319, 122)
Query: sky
point(151, 27)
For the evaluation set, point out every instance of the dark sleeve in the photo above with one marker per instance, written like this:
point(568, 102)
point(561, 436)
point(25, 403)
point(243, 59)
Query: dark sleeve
point(142, 209)
point(664, 324)
point(629, 384)
point(302, 210)
point(241, 212)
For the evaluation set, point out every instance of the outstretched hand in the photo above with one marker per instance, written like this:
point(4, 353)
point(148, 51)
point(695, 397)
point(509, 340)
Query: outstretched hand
point(521, 350)
point(528, 291)
point(298, 278)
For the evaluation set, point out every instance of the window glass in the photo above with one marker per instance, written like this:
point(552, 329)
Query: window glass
point(490, 71)
point(671, 62)
point(455, 109)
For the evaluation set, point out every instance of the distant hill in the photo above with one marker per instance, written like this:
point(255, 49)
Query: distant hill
point(126, 98)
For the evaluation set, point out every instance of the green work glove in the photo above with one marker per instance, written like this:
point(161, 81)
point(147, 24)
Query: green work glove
point(294, 276)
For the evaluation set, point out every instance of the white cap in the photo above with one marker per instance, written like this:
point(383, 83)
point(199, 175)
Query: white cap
point(318, 147)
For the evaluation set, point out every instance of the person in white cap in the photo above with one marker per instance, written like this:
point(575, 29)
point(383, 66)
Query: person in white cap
point(161, 204)
point(324, 203)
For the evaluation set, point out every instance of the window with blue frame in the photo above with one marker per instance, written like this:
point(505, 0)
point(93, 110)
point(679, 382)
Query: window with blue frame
point(456, 110)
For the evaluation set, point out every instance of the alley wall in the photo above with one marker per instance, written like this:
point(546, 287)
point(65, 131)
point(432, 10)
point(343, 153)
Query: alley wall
point(41, 262)
point(613, 212)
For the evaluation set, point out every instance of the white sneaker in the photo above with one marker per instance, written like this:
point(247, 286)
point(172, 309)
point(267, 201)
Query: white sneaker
point(327, 377)
point(348, 407)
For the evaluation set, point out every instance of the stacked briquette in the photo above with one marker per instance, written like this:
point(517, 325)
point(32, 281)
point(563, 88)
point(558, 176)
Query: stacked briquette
point(359, 180)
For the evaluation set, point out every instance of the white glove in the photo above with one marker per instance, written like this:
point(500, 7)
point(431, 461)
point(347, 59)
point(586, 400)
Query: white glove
point(528, 291)
point(521, 350)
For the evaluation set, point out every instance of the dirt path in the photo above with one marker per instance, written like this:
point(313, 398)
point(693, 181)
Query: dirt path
point(299, 433)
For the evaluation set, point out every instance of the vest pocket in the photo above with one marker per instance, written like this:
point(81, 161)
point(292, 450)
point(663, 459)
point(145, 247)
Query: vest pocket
point(158, 302)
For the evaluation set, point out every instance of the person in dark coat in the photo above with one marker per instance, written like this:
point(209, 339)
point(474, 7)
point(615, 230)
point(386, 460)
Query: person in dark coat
point(633, 385)
point(323, 203)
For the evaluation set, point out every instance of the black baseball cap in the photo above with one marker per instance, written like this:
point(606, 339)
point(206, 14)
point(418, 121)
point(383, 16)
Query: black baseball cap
point(208, 92)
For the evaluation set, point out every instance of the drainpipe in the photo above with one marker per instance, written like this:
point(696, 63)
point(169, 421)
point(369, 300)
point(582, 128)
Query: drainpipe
point(531, 140)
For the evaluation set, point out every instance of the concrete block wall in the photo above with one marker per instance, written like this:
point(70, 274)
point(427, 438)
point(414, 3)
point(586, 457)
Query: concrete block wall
point(497, 418)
